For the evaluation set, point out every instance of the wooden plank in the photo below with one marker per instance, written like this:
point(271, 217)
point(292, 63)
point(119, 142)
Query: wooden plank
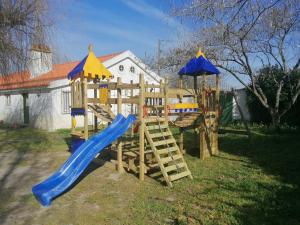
point(174, 167)
point(179, 175)
point(141, 129)
point(164, 142)
point(85, 105)
point(152, 86)
point(133, 100)
point(77, 134)
point(158, 158)
point(167, 150)
point(154, 119)
point(115, 85)
point(157, 127)
point(170, 159)
point(161, 134)
point(154, 95)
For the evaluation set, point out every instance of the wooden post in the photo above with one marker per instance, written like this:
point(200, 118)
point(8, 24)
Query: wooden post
point(181, 114)
point(202, 129)
point(119, 109)
point(166, 102)
point(215, 144)
point(95, 117)
point(131, 110)
point(196, 96)
point(85, 106)
point(142, 128)
point(72, 104)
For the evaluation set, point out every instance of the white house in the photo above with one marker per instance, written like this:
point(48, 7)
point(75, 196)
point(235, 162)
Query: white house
point(40, 96)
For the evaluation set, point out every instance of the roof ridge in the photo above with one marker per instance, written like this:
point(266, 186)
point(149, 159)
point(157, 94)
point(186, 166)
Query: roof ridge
point(14, 80)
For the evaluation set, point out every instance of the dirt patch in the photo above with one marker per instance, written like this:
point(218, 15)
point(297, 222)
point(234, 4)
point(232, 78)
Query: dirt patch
point(101, 196)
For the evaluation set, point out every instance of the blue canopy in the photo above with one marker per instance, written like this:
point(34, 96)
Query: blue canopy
point(198, 65)
point(77, 69)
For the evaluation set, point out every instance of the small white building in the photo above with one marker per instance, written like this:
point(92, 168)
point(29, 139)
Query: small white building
point(241, 100)
point(40, 96)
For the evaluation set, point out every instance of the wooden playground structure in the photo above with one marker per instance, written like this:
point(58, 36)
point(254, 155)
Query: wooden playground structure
point(149, 144)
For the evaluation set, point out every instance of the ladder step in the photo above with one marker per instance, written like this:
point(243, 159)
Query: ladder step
point(164, 142)
point(162, 134)
point(165, 151)
point(157, 127)
point(179, 175)
point(154, 119)
point(174, 167)
point(170, 159)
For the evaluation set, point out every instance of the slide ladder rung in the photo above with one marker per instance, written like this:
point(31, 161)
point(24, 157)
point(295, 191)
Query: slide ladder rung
point(167, 150)
point(170, 159)
point(162, 134)
point(164, 142)
point(157, 127)
point(179, 175)
point(174, 167)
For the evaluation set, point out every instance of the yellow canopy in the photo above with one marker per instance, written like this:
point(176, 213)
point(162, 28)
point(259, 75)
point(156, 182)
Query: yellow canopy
point(90, 67)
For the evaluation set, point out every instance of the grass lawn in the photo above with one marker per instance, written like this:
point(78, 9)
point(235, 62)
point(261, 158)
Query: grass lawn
point(245, 184)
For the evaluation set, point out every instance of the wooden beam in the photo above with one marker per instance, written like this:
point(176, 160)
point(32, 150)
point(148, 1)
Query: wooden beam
point(85, 106)
point(119, 110)
point(141, 129)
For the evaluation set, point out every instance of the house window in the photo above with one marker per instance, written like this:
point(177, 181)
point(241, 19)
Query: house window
point(7, 100)
point(132, 69)
point(121, 68)
point(66, 100)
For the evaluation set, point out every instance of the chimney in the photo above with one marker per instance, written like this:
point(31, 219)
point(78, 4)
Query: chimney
point(40, 60)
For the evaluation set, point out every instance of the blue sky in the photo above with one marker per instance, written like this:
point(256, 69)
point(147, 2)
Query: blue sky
point(112, 26)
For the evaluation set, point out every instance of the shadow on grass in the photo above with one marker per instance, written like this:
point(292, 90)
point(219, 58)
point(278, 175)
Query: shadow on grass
point(15, 148)
point(278, 156)
point(95, 164)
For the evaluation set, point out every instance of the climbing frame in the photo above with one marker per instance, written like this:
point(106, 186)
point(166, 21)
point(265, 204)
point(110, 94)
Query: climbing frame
point(166, 152)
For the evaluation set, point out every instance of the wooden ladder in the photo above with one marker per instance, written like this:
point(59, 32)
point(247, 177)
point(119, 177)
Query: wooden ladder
point(103, 113)
point(165, 149)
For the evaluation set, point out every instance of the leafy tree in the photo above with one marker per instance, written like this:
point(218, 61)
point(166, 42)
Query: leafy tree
point(267, 79)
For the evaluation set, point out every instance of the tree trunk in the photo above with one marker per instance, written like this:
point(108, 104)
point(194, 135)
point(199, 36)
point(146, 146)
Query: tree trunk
point(275, 119)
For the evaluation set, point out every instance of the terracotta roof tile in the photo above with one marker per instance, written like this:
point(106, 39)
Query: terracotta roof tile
point(59, 71)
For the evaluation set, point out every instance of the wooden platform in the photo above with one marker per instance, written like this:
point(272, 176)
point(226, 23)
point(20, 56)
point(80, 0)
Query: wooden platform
point(186, 120)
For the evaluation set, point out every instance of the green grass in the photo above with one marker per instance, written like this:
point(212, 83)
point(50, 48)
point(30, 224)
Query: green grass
point(256, 184)
point(33, 140)
point(245, 184)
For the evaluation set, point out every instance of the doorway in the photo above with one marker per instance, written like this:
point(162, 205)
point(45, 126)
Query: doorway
point(25, 109)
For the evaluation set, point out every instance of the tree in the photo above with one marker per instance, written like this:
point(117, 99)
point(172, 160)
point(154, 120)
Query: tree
point(242, 36)
point(266, 81)
point(22, 23)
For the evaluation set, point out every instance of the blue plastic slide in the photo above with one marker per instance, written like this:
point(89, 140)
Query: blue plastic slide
point(63, 178)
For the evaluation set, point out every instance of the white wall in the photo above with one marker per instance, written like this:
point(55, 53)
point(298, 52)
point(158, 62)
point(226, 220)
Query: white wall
point(46, 109)
point(40, 106)
point(13, 113)
point(40, 63)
